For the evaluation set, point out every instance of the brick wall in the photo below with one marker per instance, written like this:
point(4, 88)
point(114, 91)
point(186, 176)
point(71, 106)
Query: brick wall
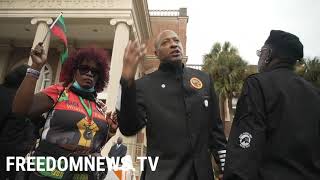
point(158, 24)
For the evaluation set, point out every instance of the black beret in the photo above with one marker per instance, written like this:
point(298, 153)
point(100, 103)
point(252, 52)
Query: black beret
point(285, 45)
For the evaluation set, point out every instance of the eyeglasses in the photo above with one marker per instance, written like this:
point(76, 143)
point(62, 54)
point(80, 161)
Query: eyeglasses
point(259, 51)
point(84, 69)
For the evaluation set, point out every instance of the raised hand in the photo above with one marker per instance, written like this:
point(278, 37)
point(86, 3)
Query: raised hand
point(112, 121)
point(38, 56)
point(133, 54)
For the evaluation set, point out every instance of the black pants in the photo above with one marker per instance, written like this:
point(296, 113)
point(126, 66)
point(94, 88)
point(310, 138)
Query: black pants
point(35, 176)
point(193, 174)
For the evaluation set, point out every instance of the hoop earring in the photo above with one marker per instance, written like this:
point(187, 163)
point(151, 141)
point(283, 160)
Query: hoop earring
point(267, 61)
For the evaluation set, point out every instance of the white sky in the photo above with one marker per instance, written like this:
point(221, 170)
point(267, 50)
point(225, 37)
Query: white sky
point(246, 24)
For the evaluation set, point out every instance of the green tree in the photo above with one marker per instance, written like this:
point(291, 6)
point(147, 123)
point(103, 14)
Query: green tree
point(228, 71)
point(310, 70)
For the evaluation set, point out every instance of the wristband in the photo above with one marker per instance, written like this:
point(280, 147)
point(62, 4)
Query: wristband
point(32, 72)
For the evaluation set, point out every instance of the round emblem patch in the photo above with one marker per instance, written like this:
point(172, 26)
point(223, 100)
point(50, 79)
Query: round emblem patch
point(245, 139)
point(196, 83)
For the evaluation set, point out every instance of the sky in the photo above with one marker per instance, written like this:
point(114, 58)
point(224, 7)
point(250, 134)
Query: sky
point(246, 24)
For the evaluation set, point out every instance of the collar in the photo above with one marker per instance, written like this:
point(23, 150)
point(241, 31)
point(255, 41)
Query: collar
point(86, 95)
point(77, 86)
point(280, 65)
point(167, 66)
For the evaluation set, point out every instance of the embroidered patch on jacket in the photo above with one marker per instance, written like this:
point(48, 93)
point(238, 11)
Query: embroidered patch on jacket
point(196, 83)
point(245, 139)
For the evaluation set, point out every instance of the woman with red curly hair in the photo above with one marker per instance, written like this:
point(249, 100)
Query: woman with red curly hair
point(75, 124)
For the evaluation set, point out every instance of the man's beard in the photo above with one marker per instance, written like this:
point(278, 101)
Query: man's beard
point(172, 61)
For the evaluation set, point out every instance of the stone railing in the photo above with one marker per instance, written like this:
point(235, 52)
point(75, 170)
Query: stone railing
point(135, 150)
point(180, 12)
point(195, 66)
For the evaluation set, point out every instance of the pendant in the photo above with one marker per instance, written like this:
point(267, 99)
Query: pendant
point(88, 134)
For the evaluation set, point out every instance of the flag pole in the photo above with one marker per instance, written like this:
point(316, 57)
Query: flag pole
point(54, 22)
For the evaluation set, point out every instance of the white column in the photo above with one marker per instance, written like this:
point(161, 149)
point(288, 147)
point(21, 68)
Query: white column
point(121, 40)
point(42, 30)
point(4, 60)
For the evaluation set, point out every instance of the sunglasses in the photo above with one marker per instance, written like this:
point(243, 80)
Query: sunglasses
point(84, 69)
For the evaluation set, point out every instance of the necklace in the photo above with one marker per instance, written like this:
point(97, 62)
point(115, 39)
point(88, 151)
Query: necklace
point(88, 134)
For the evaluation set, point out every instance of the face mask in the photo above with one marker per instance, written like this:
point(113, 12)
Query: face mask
point(77, 86)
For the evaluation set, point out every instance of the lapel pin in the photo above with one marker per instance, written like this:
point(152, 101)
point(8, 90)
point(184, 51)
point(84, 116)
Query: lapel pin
point(206, 103)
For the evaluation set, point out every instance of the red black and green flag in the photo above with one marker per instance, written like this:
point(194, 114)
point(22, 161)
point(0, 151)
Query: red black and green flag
point(58, 29)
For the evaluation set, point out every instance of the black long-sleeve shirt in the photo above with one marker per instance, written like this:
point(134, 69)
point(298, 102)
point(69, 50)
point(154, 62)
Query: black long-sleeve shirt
point(276, 130)
point(179, 108)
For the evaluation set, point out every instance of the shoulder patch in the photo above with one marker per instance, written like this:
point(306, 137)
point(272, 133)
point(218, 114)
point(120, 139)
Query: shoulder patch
point(245, 139)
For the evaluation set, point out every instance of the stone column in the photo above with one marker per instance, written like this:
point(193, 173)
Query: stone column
point(121, 40)
point(4, 60)
point(42, 30)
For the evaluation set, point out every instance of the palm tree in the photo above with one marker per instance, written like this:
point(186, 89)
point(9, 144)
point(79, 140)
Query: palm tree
point(228, 71)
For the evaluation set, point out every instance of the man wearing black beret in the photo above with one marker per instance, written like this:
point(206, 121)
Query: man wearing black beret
point(276, 129)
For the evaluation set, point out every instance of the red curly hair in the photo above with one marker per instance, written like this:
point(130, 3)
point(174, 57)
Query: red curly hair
point(100, 56)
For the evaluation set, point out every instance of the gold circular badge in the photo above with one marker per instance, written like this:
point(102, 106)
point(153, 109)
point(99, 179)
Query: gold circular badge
point(196, 83)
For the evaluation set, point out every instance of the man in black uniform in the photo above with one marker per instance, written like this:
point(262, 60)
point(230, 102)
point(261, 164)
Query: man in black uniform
point(276, 130)
point(179, 108)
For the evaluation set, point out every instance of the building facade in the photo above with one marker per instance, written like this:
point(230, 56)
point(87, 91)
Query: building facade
point(107, 24)
point(175, 20)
